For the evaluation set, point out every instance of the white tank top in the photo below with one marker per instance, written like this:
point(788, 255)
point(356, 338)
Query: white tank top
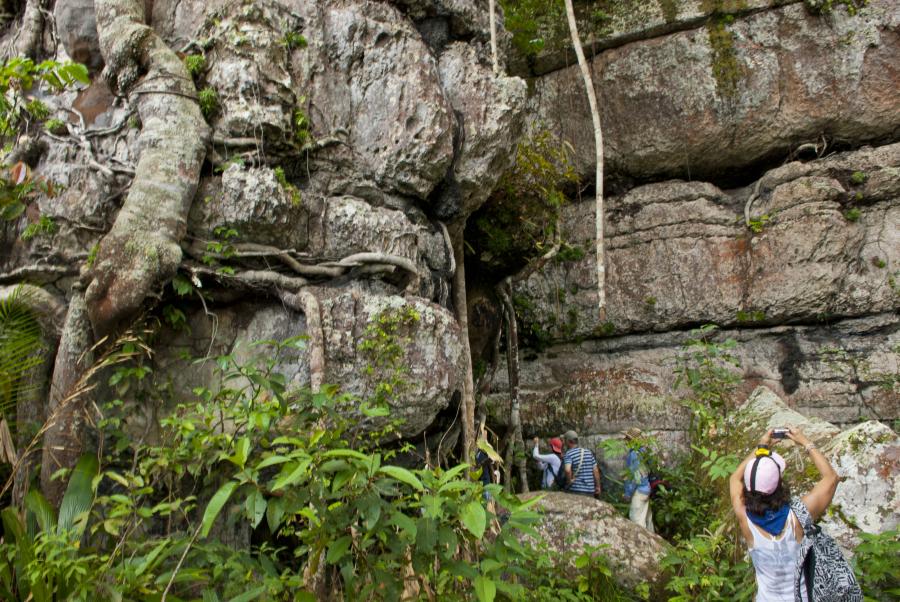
point(775, 561)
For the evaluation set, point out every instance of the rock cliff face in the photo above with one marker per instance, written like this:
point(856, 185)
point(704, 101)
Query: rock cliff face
point(752, 155)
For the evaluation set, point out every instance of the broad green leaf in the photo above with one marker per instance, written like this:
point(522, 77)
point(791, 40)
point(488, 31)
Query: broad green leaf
point(337, 549)
point(291, 474)
point(403, 475)
point(253, 594)
point(256, 507)
point(274, 513)
point(79, 496)
point(486, 447)
point(485, 589)
point(272, 461)
point(345, 453)
point(218, 500)
point(474, 518)
point(40, 514)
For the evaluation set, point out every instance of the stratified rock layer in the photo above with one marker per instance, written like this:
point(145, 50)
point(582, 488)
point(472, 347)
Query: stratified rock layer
point(708, 101)
point(823, 241)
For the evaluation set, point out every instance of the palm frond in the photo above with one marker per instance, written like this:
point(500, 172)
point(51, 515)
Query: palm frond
point(20, 349)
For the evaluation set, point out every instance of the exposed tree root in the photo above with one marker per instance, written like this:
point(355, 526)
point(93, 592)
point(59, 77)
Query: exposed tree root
point(141, 250)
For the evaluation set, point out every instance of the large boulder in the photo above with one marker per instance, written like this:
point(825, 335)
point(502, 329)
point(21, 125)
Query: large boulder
point(253, 203)
point(572, 522)
point(842, 372)
point(824, 239)
point(865, 456)
point(430, 350)
point(708, 101)
point(491, 119)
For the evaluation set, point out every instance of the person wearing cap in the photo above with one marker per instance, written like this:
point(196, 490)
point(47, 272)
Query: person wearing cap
point(761, 499)
point(582, 472)
point(637, 481)
point(550, 463)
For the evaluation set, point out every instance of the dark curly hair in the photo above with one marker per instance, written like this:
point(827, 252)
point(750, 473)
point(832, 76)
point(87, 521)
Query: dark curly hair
point(759, 503)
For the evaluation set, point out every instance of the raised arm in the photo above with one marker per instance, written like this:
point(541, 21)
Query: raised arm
point(817, 500)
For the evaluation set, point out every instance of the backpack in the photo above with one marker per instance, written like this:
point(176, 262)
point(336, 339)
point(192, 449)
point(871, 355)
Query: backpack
point(559, 477)
point(828, 576)
point(657, 484)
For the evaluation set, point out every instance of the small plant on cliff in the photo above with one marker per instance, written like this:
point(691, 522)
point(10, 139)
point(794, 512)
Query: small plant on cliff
point(852, 214)
point(825, 7)
point(43, 227)
point(195, 64)
point(209, 102)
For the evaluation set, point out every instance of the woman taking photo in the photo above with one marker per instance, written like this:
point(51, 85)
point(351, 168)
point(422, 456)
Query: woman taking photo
point(761, 501)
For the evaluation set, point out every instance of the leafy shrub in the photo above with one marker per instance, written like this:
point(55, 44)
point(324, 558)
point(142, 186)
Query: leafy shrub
point(338, 519)
point(877, 565)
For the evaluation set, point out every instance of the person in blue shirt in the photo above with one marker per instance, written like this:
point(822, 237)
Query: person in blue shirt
point(582, 472)
point(637, 481)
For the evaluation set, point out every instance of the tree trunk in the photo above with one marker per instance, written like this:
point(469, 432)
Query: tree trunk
point(598, 147)
point(141, 250)
point(64, 437)
point(516, 447)
point(462, 318)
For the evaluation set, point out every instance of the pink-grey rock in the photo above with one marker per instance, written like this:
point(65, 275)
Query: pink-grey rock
point(572, 523)
point(709, 101)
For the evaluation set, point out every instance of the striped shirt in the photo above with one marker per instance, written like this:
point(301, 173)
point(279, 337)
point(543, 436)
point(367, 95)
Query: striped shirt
point(582, 470)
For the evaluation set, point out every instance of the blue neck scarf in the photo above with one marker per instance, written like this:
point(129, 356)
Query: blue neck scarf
point(772, 521)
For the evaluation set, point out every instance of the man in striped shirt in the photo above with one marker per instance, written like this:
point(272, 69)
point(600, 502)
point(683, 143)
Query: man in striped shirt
point(582, 472)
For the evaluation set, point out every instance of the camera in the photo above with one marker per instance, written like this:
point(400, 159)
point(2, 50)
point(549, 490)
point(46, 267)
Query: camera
point(780, 433)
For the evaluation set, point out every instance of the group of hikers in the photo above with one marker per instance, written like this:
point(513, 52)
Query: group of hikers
point(792, 558)
point(576, 471)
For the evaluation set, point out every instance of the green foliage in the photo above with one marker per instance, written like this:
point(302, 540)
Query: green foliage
point(293, 40)
point(877, 565)
point(383, 346)
point(20, 350)
point(195, 64)
point(220, 248)
point(18, 78)
point(55, 126)
point(826, 7)
point(520, 220)
point(569, 253)
point(41, 559)
point(296, 198)
point(209, 102)
point(852, 214)
point(707, 368)
point(45, 226)
point(302, 132)
point(758, 224)
point(745, 317)
point(293, 467)
point(92, 255)
point(703, 568)
point(725, 67)
point(858, 178)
